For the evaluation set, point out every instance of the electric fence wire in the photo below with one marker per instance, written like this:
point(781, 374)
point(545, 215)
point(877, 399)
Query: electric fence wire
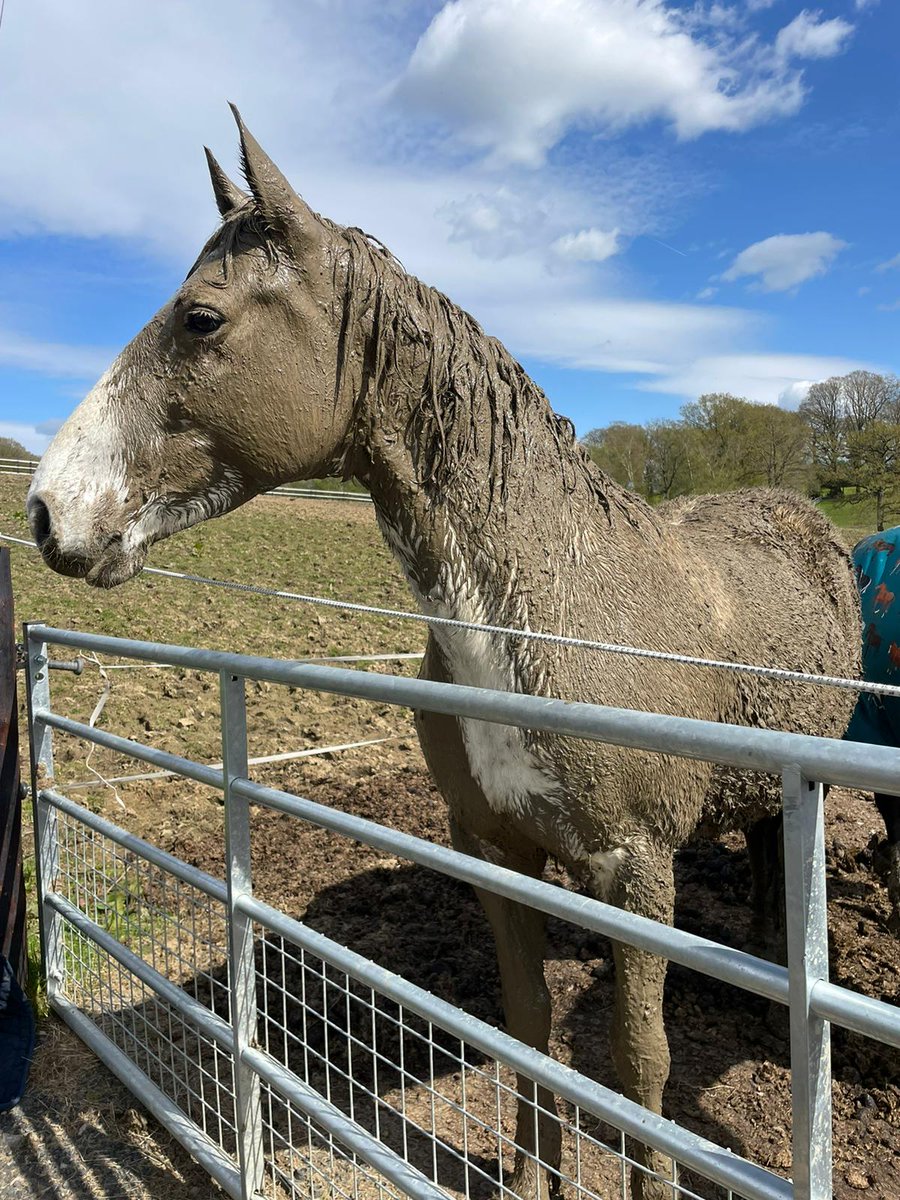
point(555, 639)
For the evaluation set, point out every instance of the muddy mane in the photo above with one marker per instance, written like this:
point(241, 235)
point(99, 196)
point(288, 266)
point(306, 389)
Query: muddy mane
point(472, 390)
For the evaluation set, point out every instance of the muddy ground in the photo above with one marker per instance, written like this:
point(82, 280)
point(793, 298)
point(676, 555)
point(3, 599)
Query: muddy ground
point(77, 1134)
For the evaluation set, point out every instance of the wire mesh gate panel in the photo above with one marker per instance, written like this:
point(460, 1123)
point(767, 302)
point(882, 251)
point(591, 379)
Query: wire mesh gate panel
point(292, 1067)
point(367, 1043)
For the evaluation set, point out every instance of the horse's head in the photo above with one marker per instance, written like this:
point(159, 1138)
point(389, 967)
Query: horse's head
point(233, 387)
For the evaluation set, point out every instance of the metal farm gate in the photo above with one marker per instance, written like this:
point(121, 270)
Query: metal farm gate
point(304, 1070)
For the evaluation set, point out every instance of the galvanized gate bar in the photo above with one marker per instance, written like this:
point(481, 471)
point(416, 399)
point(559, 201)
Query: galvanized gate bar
point(722, 962)
point(851, 1010)
point(807, 947)
point(697, 1153)
point(46, 841)
point(149, 754)
point(849, 764)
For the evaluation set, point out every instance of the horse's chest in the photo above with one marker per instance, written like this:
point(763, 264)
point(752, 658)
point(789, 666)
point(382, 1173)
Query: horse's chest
point(510, 774)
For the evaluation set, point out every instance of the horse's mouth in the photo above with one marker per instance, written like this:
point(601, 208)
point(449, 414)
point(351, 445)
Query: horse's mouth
point(75, 566)
point(106, 568)
point(115, 566)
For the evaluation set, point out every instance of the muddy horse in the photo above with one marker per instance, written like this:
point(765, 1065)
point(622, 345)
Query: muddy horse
point(297, 348)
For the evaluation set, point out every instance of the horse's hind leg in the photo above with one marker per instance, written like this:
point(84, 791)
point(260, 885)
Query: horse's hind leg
point(889, 807)
point(767, 921)
point(519, 933)
point(640, 1050)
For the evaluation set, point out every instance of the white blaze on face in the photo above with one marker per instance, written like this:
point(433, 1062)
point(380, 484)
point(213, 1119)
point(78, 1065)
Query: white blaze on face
point(82, 477)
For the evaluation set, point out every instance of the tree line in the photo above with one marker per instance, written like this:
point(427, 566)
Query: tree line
point(842, 442)
point(9, 448)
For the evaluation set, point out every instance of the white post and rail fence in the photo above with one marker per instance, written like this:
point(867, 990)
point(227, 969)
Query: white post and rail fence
point(293, 491)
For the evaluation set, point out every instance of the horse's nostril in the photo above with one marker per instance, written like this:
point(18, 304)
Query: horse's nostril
point(39, 520)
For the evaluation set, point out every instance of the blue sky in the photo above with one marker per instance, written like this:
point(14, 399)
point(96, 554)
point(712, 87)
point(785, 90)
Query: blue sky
point(644, 199)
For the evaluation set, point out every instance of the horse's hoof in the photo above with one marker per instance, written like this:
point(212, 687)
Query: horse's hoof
point(893, 921)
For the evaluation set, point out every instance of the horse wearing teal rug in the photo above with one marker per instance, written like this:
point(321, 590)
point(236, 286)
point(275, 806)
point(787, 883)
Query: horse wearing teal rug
point(876, 719)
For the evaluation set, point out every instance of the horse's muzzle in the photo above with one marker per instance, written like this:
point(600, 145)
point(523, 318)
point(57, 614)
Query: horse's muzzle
point(102, 563)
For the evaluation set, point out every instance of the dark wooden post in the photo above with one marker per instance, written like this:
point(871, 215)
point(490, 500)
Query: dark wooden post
point(12, 882)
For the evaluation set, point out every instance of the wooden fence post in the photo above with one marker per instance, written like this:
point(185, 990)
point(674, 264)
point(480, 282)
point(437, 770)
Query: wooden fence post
point(12, 883)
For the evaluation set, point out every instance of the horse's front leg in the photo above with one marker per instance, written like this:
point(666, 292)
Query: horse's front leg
point(520, 935)
point(643, 884)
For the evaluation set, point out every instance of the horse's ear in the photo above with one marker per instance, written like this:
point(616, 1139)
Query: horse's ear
point(279, 203)
point(228, 195)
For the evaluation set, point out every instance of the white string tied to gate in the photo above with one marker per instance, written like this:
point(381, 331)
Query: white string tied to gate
point(92, 721)
point(556, 639)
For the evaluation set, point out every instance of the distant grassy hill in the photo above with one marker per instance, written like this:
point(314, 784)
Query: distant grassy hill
point(10, 448)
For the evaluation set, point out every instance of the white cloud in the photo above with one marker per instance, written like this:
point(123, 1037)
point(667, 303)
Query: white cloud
point(786, 260)
point(706, 293)
point(809, 36)
point(52, 358)
point(616, 334)
point(764, 378)
point(512, 76)
point(499, 223)
point(794, 394)
point(104, 128)
point(588, 245)
point(890, 265)
point(860, 5)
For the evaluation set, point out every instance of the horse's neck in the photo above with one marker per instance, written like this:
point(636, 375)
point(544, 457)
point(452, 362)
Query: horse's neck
point(481, 491)
point(477, 547)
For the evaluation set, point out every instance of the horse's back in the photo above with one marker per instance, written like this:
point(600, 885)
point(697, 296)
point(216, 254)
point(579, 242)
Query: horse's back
point(792, 599)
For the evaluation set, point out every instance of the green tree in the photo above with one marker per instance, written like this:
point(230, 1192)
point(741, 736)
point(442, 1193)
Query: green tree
point(621, 450)
point(778, 446)
point(869, 397)
point(743, 444)
point(673, 452)
point(874, 461)
point(824, 411)
point(9, 448)
point(838, 410)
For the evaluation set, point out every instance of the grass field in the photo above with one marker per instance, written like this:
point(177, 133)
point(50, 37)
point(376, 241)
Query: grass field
point(856, 518)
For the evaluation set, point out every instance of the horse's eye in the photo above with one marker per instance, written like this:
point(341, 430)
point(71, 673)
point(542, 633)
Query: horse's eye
point(177, 419)
point(203, 321)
